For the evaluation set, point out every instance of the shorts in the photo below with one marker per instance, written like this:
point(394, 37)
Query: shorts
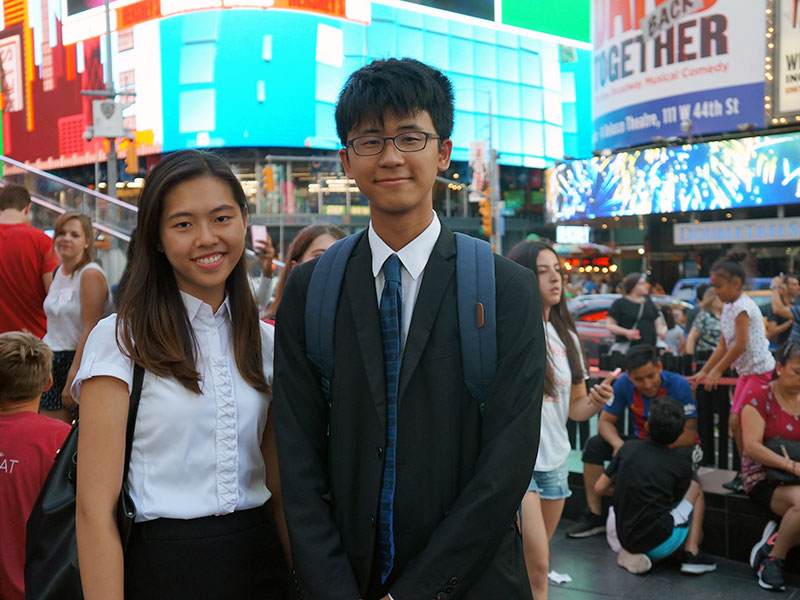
point(762, 493)
point(682, 518)
point(551, 485)
point(62, 361)
point(742, 384)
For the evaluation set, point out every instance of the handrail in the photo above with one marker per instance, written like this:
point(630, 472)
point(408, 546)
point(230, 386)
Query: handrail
point(68, 183)
point(61, 210)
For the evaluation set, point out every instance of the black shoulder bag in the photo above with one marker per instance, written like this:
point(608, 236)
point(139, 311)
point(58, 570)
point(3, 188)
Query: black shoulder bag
point(51, 551)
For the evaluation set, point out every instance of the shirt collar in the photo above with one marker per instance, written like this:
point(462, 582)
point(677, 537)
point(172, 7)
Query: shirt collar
point(414, 255)
point(196, 308)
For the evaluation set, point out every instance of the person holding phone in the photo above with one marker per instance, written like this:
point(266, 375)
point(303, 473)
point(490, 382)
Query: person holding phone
point(265, 253)
point(565, 397)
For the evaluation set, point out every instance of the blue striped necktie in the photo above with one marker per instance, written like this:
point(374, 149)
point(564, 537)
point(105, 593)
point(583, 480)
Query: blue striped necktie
point(390, 312)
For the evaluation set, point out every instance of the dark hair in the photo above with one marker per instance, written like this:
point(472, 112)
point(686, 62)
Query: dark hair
point(789, 351)
point(630, 282)
point(153, 328)
point(669, 317)
point(88, 232)
point(700, 291)
point(639, 355)
point(403, 87)
point(301, 242)
point(730, 266)
point(525, 253)
point(792, 276)
point(14, 196)
point(666, 420)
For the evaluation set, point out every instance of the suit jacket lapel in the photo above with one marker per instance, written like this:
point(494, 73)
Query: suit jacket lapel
point(435, 280)
point(360, 286)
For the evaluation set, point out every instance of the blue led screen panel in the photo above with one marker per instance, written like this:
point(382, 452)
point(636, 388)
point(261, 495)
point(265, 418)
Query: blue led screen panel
point(735, 173)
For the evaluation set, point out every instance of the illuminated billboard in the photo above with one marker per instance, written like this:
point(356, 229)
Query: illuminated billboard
point(734, 173)
point(270, 78)
point(566, 18)
point(664, 69)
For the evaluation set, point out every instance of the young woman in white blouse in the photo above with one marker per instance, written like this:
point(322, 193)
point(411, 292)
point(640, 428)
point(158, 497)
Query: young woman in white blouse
point(565, 396)
point(203, 463)
point(77, 299)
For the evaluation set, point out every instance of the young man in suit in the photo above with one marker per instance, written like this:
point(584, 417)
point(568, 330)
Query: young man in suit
point(454, 476)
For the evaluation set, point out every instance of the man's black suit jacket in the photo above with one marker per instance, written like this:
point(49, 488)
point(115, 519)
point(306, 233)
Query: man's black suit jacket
point(460, 476)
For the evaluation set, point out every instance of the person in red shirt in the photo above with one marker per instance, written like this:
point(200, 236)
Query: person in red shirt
point(27, 262)
point(28, 446)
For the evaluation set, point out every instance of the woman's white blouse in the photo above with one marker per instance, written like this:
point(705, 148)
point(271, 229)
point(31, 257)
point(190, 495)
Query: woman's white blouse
point(63, 309)
point(193, 455)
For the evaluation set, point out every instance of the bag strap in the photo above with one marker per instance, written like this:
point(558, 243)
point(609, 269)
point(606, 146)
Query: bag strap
point(321, 302)
point(477, 323)
point(133, 410)
point(639, 316)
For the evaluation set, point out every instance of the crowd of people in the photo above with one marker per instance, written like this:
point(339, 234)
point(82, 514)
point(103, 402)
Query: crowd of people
point(257, 474)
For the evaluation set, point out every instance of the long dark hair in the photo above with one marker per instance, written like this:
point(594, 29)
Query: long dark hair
point(525, 253)
point(301, 242)
point(153, 328)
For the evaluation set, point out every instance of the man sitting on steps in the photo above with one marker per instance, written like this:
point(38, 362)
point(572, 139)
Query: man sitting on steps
point(644, 380)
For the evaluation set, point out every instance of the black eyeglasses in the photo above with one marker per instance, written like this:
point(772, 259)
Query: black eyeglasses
point(409, 141)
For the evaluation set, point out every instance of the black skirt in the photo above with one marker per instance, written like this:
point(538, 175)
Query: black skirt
point(232, 556)
point(62, 362)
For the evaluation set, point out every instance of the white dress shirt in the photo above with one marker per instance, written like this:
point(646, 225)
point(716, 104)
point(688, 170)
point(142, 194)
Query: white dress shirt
point(193, 455)
point(413, 258)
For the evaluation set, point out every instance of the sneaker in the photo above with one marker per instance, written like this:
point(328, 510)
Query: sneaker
point(697, 564)
point(589, 524)
point(764, 546)
point(735, 484)
point(770, 574)
point(635, 563)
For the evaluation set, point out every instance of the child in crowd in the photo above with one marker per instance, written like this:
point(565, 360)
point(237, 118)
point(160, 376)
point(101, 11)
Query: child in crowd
point(742, 345)
point(28, 445)
point(659, 507)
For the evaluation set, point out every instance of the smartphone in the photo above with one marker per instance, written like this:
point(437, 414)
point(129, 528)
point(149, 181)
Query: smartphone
point(259, 235)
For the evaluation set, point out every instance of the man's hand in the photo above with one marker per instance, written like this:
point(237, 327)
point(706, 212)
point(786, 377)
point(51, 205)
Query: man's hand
point(265, 253)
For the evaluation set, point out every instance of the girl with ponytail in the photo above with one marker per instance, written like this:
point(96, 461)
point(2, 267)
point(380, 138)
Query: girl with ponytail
point(743, 343)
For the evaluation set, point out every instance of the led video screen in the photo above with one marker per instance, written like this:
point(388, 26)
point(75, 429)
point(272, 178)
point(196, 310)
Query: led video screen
point(725, 174)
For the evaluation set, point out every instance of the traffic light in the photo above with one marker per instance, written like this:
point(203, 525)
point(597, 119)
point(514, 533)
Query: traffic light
point(485, 210)
point(267, 178)
point(131, 162)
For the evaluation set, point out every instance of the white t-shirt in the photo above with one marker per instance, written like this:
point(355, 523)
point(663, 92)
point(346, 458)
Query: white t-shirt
point(63, 308)
point(553, 442)
point(193, 455)
point(756, 358)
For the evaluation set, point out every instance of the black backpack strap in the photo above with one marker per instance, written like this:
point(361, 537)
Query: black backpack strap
point(321, 302)
point(477, 320)
point(133, 410)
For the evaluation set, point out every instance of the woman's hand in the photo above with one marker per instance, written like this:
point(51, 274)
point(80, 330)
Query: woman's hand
point(710, 384)
point(602, 393)
point(633, 335)
point(697, 378)
point(66, 398)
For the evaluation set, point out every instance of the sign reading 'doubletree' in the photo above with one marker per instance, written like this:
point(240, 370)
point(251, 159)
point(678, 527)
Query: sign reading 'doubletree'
point(683, 67)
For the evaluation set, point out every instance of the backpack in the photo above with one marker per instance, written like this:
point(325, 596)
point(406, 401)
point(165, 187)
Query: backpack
point(475, 285)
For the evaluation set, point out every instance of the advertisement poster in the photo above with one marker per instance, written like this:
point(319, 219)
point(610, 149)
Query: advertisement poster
point(682, 68)
point(787, 58)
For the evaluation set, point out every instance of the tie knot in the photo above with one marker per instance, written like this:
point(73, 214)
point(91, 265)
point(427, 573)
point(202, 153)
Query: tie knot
point(391, 269)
